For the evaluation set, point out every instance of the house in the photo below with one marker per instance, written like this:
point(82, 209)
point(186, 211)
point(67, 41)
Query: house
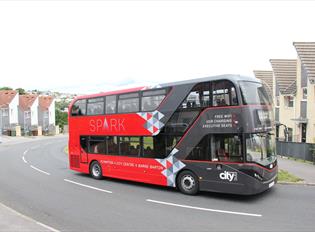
point(305, 116)
point(9, 100)
point(28, 112)
point(284, 91)
point(46, 113)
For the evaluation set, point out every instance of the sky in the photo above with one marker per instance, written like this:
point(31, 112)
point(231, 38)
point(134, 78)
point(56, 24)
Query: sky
point(94, 46)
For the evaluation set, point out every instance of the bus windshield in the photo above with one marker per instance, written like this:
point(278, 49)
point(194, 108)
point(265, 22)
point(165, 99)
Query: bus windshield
point(254, 93)
point(260, 148)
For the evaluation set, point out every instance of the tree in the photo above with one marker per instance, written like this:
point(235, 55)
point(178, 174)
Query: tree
point(21, 91)
point(6, 88)
point(61, 118)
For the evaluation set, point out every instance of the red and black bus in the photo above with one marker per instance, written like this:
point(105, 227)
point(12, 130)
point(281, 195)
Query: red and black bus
point(209, 134)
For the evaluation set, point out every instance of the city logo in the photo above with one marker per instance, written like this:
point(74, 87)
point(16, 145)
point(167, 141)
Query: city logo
point(230, 176)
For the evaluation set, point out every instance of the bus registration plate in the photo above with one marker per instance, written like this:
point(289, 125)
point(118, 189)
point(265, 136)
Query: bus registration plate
point(271, 184)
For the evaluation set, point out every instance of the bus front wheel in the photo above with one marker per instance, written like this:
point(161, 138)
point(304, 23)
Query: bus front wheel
point(96, 170)
point(188, 183)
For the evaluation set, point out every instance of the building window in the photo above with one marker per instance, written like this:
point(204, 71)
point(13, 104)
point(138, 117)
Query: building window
point(95, 106)
point(277, 100)
point(288, 101)
point(304, 93)
point(290, 134)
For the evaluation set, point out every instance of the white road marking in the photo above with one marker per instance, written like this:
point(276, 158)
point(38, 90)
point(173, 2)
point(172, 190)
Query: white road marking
point(24, 159)
point(87, 186)
point(37, 169)
point(204, 209)
point(29, 219)
point(24, 153)
point(47, 227)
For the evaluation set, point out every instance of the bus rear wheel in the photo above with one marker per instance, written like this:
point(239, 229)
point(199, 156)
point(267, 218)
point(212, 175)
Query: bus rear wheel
point(188, 183)
point(96, 170)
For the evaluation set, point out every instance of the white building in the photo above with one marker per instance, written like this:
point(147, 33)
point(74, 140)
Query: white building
point(28, 112)
point(46, 112)
point(9, 101)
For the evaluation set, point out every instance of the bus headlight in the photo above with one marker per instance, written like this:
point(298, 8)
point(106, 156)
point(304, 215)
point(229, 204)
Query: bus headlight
point(258, 176)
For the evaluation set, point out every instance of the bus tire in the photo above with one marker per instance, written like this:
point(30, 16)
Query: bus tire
point(187, 183)
point(96, 170)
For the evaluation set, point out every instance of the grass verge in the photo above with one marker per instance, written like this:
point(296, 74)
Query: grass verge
point(285, 176)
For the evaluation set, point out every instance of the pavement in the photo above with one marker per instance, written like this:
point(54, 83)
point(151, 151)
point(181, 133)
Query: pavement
point(305, 171)
point(11, 220)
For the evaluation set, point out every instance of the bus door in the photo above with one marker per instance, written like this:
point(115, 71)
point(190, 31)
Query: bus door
point(83, 149)
point(227, 149)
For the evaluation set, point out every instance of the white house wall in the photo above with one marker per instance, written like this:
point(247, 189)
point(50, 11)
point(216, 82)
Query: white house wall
point(52, 116)
point(13, 110)
point(34, 113)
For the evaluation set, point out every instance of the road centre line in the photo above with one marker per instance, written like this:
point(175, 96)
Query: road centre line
point(39, 170)
point(87, 186)
point(204, 209)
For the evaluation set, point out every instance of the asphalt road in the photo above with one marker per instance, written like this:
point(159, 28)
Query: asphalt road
point(35, 181)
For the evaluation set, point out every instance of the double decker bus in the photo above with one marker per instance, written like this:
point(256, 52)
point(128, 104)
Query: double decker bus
point(208, 134)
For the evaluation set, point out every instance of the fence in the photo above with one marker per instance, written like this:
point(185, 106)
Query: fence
point(304, 151)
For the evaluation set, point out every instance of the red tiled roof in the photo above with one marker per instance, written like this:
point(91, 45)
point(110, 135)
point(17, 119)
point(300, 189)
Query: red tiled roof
point(6, 96)
point(45, 102)
point(26, 101)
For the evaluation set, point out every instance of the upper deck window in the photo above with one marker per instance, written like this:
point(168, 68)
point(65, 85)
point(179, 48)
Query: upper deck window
point(224, 94)
point(128, 103)
point(254, 93)
point(198, 97)
point(79, 108)
point(151, 99)
point(110, 104)
point(95, 106)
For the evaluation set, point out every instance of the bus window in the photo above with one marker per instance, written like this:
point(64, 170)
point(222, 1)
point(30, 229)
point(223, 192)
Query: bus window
point(151, 99)
point(129, 146)
point(95, 106)
point(224, 94)
point(202, 151)
point(79, 108)
point(198, 97)
point(227, 147)
point(112, 145)
point(148, 147)
point(97, 145)
point(111, 104)
point(128, 103)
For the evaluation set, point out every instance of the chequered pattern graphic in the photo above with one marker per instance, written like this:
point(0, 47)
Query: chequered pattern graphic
point(172, 166)
point(153, 121)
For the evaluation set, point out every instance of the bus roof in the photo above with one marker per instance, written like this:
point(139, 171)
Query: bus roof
point(231, 77)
